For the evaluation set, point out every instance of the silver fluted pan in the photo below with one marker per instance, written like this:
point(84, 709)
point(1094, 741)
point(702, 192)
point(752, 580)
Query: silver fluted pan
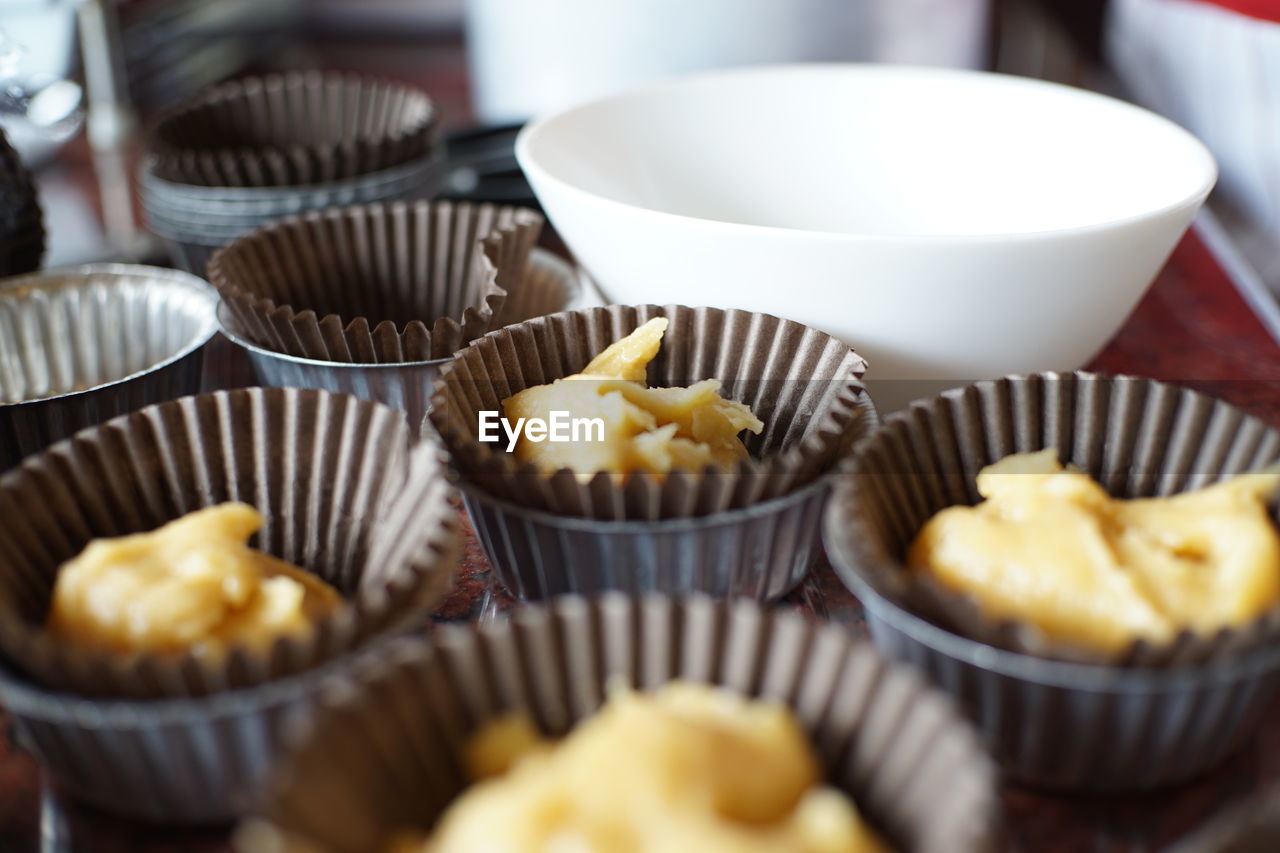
point(761, 551)
point(405, 386)
point(181, 737)
point(185, 203)
point(82, 345)
point(188, 761)
point(194, 222)
point(1055, 723)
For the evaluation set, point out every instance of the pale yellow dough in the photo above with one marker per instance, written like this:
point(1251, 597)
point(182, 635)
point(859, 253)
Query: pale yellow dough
point(688, 767)
point(657, 430)
point(1050, 547)
point(191, 585)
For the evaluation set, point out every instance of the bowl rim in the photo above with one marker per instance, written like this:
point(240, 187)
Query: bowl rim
point(538, 174)
point(60, 278)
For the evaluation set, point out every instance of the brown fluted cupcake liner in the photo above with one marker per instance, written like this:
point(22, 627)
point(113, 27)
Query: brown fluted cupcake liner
point(382, 752)
point(1058, 715)
point(22, 235)
point(292, 129)
point(373, 283)
point(542, 285)
point(803, 384)
point(342, 497)
point(1137, 437)
point(81, 345)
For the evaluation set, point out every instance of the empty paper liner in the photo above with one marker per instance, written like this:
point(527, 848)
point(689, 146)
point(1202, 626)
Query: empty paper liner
point(21, 221)
point(292, 129)
point(82, 345)
point(803, 384)
point(371, 284)
point(1058, 715)
point(382, 752)
point(341, 494)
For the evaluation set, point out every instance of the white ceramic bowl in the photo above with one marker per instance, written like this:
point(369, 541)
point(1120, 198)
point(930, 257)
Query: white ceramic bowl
point(951, 225)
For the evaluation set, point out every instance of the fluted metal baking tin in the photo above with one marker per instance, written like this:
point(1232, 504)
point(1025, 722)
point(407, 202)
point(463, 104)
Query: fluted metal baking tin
point(190, 204)
point(194, 222)
point(405, 385)
point(760, 551)
point(189, 761)
point(30, 425)
point(1051, 723)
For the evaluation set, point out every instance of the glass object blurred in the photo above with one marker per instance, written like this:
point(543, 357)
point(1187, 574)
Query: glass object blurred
point(40, 106)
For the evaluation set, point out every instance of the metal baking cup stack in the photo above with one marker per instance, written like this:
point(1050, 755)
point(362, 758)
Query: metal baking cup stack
point(1053, 716)
point(260, 148)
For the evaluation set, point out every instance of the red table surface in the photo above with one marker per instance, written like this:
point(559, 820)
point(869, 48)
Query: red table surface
point(1191, 328)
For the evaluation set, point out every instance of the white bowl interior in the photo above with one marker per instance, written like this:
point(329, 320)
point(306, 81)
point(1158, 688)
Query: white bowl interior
point(874, 150)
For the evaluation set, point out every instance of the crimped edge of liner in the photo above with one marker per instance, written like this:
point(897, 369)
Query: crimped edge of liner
point(330, 337)
point(847, 418)
point(179, 164)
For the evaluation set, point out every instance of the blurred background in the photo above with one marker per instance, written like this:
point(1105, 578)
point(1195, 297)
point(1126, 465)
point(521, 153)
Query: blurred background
point(81, 79)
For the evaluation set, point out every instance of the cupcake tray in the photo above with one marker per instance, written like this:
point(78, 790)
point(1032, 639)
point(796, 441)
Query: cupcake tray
point(1231, 357)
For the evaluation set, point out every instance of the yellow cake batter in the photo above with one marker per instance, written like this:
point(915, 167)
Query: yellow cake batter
point(687, 767)
point(191, 585)
point(1050, 547)
point(644, 429)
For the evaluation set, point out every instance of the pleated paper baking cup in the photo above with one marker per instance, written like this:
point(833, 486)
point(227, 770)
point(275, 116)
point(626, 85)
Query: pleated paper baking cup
point(292, 129)
point(372, 284)
point(803, 384)
point(382, 752)
point(341, 494)
point(82, 345)
point(21, 221)
point(1151, 717)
